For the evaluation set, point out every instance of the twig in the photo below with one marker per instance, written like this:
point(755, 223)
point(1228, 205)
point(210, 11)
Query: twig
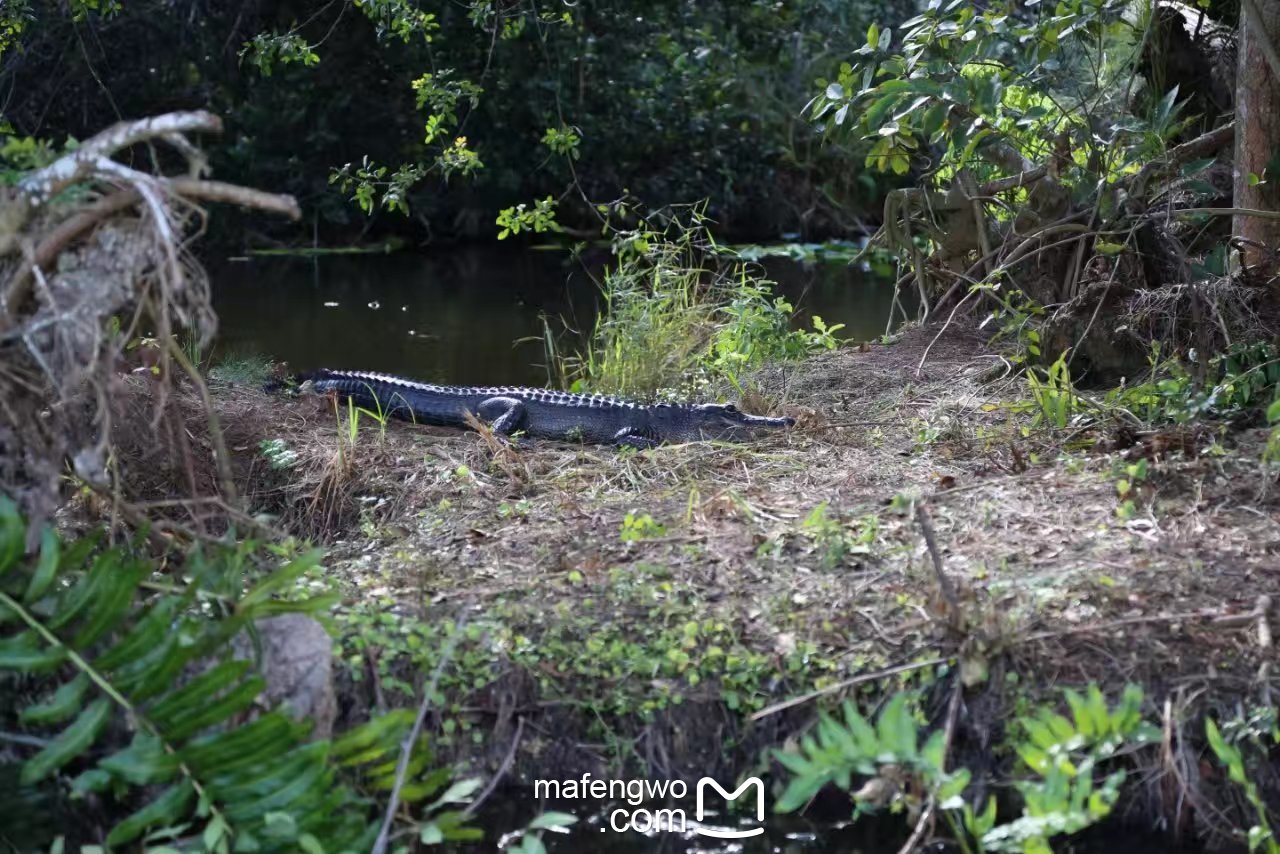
point(840, 686)
point(222, 459)
point(1201, 146)
point(925, 824)
point(1264, 626)
point(24, 740)
point(406, 749)
point(1208, 619)
point(501, 772)
point(930, 541)
point(1220, 212)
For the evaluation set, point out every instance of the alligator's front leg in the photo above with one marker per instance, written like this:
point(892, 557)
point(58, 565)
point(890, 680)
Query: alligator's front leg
point(636, 439)
point(505, 415)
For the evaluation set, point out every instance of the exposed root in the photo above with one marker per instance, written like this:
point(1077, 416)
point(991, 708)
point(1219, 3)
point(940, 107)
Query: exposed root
point(80, 280)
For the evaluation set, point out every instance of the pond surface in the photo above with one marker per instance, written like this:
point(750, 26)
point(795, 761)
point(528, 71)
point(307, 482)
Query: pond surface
point(610, 828)
point(455, 316)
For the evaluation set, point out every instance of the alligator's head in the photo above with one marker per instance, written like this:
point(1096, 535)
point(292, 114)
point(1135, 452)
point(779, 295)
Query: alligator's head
point(719, 421)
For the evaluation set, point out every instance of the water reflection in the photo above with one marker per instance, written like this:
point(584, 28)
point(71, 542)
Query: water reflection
point(454, 316)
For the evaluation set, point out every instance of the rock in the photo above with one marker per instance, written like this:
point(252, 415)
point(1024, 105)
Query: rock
point(294, 654)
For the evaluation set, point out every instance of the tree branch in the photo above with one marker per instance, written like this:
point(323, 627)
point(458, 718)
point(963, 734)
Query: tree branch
point(44, 184)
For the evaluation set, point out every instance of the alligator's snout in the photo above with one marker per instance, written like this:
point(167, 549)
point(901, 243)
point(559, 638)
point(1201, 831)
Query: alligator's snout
point(765, 421)
point(730, 418)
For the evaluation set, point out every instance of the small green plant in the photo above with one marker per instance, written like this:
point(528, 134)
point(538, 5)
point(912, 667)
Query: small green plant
point(563, 141)
point(1135, 474)
point(277, 454)
point(520, 509)
point(834, 539)
point(903, 772)
point(1062, 752)
point(636, 527)
point(349, 429)
point(1243, 377)
point(1260, 835)
point(1053, 394)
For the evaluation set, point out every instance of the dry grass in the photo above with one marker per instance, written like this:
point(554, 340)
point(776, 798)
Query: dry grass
point(1050, 582)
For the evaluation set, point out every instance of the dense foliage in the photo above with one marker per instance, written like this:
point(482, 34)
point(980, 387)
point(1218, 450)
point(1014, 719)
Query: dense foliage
point(455, 111)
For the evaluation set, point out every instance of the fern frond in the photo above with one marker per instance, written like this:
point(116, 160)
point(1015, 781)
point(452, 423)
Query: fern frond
point(115, 688)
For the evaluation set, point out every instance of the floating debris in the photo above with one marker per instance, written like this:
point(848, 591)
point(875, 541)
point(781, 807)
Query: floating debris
point(331, 305)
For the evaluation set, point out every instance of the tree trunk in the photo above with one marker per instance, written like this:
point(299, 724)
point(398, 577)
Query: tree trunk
point(1258, 125)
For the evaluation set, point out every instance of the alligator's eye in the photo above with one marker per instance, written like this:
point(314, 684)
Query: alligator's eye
point(731, 409)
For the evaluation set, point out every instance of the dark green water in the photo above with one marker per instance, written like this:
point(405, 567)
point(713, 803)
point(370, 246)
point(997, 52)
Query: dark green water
point(824, 832)
point(454, 316)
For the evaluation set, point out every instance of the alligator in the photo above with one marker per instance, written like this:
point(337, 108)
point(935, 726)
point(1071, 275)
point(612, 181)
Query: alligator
point(540, 413)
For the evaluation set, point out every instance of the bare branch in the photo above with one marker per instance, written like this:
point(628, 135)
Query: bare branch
point(44, 184)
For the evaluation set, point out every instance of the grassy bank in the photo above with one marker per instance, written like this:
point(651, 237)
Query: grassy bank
point(682, 611)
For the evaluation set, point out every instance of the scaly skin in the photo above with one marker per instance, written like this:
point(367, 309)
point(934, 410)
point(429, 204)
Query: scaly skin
point(542, 414)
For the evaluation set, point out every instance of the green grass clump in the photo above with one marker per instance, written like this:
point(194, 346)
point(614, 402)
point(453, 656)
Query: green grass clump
point(678, 316)
point(242, 369)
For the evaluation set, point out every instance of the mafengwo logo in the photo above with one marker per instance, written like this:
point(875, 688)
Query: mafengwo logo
point(641, 819)
point(752, 782)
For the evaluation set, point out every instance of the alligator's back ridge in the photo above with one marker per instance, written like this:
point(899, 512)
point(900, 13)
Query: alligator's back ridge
point(565, 398)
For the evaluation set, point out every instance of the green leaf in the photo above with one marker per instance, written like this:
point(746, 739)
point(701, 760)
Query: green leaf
point(197, 694)
point(70, 743)
point(64, 703)
point(1061, 727)
point(223, 751)
point(532, 845)
point(12, 534)
point(93, 780)
point(143, 762)
point(896, 728)
point(1215, 737)
point(1080, 712)
point(280, 579)
point(1040, 734)
point(459, 793)
point(144, 636)
point(955, 784)
point(76, 601)
point(231, 703)
point(549, 820)
point(874, 115)
point(46, 566)
point(168, 808)
point(868, 743)
point(113, 598)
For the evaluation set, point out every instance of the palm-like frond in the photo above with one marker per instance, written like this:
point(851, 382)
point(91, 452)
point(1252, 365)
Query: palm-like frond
point(115, 684)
